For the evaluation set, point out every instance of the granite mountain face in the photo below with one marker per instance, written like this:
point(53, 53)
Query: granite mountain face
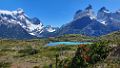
point(87, 23)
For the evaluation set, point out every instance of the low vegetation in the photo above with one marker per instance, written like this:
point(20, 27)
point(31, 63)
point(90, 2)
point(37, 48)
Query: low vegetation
point(72, 37)
point(87, 55)
point(34, 53)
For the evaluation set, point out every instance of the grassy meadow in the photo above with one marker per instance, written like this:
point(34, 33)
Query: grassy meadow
point(35, 54)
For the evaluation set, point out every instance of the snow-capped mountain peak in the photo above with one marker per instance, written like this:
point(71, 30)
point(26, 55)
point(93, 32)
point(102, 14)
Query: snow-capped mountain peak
point(6, 12)
point(89, 7)
point(49, 28)
point(118, 11)
point(104, 9)
point(83, 13)
point(103, 14)
point(20, 11)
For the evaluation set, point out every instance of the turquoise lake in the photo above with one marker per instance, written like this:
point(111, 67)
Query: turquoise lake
point(67, 43)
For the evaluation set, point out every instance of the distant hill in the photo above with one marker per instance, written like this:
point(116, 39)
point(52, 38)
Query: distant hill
point(113, 37)
point(72, 37)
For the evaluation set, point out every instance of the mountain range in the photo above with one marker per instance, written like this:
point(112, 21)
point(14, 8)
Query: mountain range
point(87, 23)
point(18, 25)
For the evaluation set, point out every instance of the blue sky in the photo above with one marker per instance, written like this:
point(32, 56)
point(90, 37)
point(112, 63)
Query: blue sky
point(56, 12)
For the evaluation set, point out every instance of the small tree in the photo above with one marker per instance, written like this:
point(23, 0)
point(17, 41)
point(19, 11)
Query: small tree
point(79, 60)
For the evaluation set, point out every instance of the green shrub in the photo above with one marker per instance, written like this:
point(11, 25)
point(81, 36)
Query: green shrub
point(5, 65)
point(28, 51)
point(89, 54)
point(36, 67)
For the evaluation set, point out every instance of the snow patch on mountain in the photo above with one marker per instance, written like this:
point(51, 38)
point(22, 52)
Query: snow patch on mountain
point(106, 11)
point(6, 12)
point(50, 30)
point(103, 22)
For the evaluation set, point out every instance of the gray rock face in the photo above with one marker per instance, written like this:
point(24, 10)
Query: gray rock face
point(87, 23)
